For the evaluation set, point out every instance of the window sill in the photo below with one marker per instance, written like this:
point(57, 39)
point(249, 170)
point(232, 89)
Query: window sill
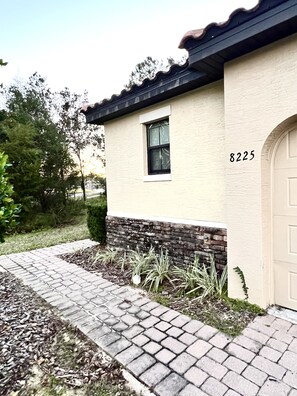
point(154, 178)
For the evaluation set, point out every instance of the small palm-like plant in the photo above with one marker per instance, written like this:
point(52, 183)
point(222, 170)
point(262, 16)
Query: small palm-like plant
point(159, 271)
point(200, 280)
point(108, 256)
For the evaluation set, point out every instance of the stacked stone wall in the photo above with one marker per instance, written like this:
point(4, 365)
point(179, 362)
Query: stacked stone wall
point(182, 241)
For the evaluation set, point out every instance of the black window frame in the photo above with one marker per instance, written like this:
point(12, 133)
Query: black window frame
point(150, 149)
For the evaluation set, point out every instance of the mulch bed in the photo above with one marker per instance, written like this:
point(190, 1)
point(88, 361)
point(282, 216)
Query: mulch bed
point(226, 315)
point(32, 335)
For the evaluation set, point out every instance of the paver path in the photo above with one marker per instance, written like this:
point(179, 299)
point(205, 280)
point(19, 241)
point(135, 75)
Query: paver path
point(167, 351)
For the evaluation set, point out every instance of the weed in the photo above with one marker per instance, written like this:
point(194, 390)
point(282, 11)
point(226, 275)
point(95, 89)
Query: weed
point(51, 386)
point(102, 388)
point(163, 300)
point(244, 306)
point(68, 351)
point(158, 272)
point(243, 283)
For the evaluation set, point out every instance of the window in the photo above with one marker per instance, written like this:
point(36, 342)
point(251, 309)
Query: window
point(158, 148)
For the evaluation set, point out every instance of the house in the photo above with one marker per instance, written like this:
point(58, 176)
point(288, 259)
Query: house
point(204, 157)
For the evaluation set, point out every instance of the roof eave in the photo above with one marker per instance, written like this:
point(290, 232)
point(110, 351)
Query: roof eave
point(265, 28)
point(157, 91)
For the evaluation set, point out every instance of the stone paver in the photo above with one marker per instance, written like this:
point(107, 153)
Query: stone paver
point(165, 356)
point(239, 384)
point(155, 374)
point(141, 364)
point(171, 385)
point(274, 388)
point(170, 353)
point(196, 376)
point(214, 387)
point(235, 364)
point(182, 363)
point(211, 367)
point(277, 345)
point(199, 348)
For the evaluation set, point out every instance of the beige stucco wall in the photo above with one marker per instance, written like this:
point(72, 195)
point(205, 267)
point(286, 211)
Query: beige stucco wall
point(197, 189)
point(260, 94)
point(248, 111)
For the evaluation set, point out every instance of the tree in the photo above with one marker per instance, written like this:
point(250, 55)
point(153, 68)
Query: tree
point(2, 63)
point(8, 209)
point(38, 152)
point(148, 68)
point(78, 135)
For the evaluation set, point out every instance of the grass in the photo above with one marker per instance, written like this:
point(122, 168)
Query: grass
point(39, 239)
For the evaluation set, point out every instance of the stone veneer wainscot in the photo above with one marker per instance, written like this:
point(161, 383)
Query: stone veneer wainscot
point(182, 241)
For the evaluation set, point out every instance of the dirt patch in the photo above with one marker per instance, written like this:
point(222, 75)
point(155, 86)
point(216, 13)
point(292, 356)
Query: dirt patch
point(228, 315)
point(43, 355)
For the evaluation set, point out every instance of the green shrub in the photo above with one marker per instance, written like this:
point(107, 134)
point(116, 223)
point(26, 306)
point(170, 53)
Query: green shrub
point(35, 219)
point(8, 209)
point(97, 211)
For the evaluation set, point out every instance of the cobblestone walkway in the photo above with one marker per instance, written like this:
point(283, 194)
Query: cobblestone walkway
point(167, 351)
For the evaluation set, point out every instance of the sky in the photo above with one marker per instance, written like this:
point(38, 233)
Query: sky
point(95, 44)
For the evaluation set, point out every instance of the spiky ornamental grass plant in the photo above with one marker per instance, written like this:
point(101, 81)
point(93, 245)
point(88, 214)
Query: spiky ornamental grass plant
point(201, 281)
point(159, 271)
point(108, 256)
point(140, 262)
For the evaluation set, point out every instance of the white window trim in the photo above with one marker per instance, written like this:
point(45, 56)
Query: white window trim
point(154, 178)
point(155, 115)
point(145, 118)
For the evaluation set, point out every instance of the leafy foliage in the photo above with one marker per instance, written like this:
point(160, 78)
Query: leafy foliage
point(243, 283)
point(41, 132)
point(96, 219)
point(38, 153)
point(77, 133)
point(148, 68)
point(8, 209)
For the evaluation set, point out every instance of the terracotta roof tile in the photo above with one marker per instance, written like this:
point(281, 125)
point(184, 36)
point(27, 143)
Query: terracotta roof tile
point(198, 34)
point(146, 81)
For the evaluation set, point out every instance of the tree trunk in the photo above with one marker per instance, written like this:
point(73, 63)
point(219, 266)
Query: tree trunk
point(83, 187)
point(63, 186)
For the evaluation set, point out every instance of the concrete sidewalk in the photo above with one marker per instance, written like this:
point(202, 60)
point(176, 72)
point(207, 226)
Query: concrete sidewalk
point(165, 350)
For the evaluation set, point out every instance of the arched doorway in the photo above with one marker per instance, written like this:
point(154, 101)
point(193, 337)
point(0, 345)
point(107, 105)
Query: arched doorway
point(284, 218)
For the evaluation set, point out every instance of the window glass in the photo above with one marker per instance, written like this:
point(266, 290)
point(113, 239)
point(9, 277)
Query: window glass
point(164, 134)
point(156, 160)
point(154, 137)
point(158, 148)
point(165, 158)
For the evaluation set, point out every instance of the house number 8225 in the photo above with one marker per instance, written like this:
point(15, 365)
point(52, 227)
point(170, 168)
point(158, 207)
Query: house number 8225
point(245, 156)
